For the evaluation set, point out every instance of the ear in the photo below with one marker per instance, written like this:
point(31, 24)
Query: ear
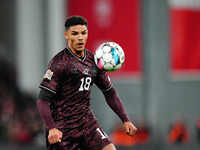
point(66, 35)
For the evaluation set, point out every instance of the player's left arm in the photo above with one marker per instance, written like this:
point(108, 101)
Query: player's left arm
point(104, 83)
point(116, 105)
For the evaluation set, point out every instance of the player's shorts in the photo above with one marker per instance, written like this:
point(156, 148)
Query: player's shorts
point(88, 137)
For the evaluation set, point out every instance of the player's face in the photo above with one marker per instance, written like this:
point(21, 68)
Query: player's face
point(77, 37)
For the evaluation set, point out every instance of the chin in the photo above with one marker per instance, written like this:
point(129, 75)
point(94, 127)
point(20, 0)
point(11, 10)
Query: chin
point(78, 49)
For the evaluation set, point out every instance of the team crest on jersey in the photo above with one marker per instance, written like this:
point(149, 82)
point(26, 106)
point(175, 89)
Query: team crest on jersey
point(75, 70)
point(48, 75)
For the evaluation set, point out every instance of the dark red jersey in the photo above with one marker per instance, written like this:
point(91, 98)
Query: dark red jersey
point(70, 79)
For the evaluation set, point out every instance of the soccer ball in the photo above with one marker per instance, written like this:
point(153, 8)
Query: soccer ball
point(109, 56)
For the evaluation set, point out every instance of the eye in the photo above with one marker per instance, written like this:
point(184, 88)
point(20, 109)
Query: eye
point(84, 32)
point(74, 33)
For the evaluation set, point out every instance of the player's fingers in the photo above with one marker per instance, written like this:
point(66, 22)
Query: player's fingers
point(60, 139)
point(57, 138)
point(53, 139)
point(60, 134)
point(127, 130)
point(134, 130)
point(50, 139)
point(131, 131)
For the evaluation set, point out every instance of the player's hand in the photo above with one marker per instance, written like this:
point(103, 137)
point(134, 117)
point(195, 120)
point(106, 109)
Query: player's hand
point(54, 136)
point(129, 128)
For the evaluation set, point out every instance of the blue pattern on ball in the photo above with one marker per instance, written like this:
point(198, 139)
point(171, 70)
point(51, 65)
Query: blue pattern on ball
point(115, 56)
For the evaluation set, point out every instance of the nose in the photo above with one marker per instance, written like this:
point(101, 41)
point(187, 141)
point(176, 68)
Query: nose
point(80, 37)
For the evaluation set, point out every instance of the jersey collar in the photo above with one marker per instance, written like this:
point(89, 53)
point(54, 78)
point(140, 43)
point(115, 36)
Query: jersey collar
point(81, 59)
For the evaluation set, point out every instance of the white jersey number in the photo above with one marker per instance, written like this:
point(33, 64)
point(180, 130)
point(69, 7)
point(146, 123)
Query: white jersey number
point(85, 84)
point(103, 135)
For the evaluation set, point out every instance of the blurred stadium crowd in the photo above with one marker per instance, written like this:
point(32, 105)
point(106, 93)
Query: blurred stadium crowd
point(19, 119)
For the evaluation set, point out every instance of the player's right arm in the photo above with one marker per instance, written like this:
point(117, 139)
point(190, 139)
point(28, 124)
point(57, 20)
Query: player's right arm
point(49, 87)
point(54, 135)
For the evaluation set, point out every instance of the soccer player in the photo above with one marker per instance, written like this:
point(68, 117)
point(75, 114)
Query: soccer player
point(64, 99)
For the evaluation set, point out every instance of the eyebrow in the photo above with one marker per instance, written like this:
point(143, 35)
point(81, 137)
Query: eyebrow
point(80, 31)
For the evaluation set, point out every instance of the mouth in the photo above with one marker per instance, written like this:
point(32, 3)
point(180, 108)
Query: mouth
point(80, 44)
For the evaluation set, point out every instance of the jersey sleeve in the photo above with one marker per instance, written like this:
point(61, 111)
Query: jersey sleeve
point(102, 81)
point(52, 78)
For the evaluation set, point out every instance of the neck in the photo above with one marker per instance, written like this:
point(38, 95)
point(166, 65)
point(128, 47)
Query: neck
point(79, 54)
